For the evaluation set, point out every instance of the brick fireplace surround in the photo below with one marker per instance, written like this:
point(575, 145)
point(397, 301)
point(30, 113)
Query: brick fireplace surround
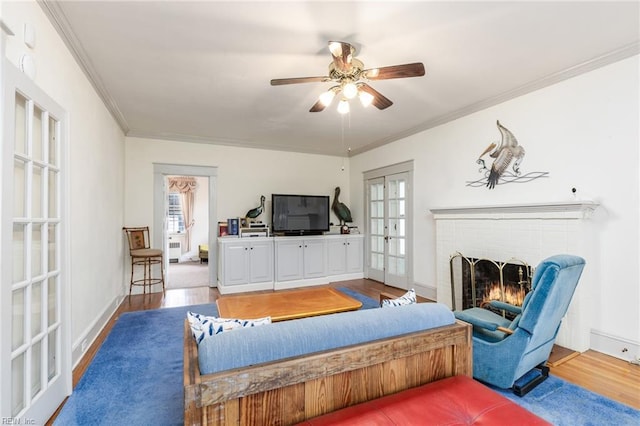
point(531, 232)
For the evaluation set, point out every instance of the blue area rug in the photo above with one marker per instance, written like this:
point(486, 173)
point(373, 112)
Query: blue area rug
point(136, 376)
point(565, 404)
point(367, 302)
point(136, 379)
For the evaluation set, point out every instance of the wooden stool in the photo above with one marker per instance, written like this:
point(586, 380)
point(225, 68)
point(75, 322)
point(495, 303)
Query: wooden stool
point(143, 255)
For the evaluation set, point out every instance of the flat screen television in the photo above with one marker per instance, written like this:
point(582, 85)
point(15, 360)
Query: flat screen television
point(300, 214)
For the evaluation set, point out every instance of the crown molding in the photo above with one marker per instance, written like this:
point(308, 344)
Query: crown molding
point(56, 16)
point(5, 28)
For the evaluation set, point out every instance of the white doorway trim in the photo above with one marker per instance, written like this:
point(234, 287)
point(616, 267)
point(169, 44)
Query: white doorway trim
point(160, 171)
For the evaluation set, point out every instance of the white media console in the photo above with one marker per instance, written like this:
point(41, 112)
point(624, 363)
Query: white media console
point(275, 263)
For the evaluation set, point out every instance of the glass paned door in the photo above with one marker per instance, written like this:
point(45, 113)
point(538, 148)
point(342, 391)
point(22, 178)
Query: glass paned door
point(387, 209)
point(35, 368)
point(396, 227)
point(377, 233)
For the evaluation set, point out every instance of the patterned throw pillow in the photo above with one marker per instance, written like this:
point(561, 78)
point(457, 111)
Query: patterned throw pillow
point(406, 299)
point(205, 326)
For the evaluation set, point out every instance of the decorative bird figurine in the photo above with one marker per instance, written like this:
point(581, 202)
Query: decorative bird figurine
point(342, 212)
point(503, 154)
point(254, 213)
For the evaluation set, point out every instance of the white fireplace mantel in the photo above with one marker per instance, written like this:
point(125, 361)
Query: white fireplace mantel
point(556, 210)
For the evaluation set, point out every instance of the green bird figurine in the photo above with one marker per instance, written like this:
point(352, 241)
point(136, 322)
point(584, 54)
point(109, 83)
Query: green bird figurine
point(342, 212)
point(254, 213)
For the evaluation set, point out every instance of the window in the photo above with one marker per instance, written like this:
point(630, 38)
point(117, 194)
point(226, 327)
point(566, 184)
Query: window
point(176, 220)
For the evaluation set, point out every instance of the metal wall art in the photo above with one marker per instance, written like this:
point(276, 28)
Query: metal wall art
point(507, 152)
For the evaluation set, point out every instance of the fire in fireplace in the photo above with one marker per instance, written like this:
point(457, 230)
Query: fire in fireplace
point(477, 281)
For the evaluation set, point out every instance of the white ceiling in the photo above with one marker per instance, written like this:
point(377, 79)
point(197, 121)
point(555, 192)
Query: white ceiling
point(200, 71)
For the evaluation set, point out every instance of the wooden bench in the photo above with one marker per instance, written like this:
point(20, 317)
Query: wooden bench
point(295, 389)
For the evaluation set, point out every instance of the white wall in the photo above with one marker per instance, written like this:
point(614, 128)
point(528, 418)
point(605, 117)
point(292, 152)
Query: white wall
point(243, 175)
point(585, 133)
point(95, 172)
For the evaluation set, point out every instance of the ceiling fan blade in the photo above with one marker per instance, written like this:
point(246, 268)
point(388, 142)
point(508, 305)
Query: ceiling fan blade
point(296, 80)
point(395, 71)
point(379, 100)
point(342, 53)
point(317, 107)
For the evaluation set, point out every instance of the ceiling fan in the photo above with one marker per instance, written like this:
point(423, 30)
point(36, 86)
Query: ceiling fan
point(351, 78)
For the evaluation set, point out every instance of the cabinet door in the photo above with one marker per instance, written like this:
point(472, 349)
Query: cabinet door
point(236, 263)
point(289, 259)
point(336, 256)
point(355, 254)
point(261, 261)
point(314, 258)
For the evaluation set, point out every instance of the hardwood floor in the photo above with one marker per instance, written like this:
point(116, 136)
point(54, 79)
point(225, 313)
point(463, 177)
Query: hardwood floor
point(602, 374)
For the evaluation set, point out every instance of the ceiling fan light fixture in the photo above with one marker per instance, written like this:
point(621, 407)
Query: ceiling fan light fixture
point(327, 97)
point(350, 90)
point(343, 106)
point(365, 98)
point(351, 78)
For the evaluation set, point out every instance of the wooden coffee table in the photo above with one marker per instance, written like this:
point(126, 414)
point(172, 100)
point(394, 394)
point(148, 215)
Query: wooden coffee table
point(286, 305)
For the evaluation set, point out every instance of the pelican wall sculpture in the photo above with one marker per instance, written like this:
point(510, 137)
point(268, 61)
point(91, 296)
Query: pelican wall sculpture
point(503, 155)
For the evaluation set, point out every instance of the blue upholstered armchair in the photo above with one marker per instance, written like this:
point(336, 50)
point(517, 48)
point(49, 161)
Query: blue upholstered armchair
point(505, 351)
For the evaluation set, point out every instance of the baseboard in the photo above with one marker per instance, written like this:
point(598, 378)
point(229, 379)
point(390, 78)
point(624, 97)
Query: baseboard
point(241, 288)
point(427, 291)
point(282, 285)
point(90, 334)
point(346, 277)
point(615, 346)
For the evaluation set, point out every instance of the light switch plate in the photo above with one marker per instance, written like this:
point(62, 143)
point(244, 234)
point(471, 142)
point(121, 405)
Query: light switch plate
point(29, 35)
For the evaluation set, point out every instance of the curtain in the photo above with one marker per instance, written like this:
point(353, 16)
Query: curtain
point(186, 186)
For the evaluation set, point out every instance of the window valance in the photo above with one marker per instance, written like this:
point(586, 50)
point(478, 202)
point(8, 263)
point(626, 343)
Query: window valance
point(182, 184)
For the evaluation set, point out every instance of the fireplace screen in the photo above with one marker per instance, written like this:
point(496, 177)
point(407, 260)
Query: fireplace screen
point(476, 281)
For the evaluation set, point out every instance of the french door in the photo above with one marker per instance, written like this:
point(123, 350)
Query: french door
point(35, 354)
point(388, 199)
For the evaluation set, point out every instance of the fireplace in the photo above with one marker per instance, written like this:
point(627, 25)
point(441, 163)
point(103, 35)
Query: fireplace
point(477, 281)
point(529, 231)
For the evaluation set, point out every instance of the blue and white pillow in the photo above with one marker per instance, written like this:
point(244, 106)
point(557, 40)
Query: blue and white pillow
point(203, 326)
point(406, 299)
